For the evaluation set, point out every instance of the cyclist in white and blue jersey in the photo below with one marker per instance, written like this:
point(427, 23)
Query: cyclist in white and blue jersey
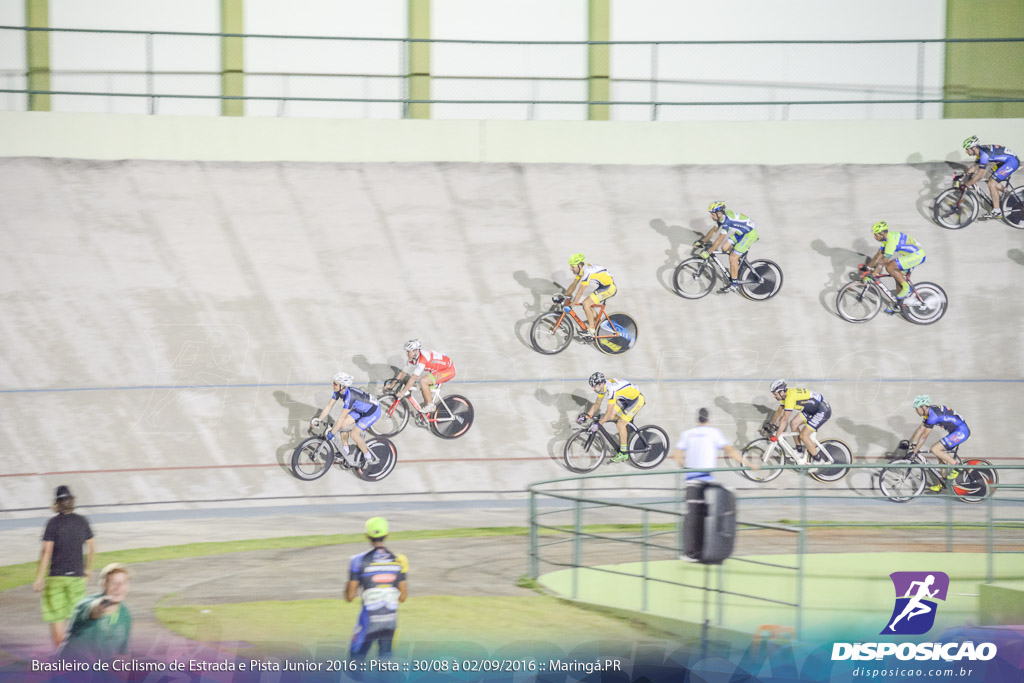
point(956, 428)
point(1006, 162)
point(733, 226)
point(359, 409)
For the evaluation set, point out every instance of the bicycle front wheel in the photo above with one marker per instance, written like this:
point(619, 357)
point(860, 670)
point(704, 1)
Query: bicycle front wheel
point(394, 416)
point(925, 305)
point(760, 280)
point(584, 452)
point(312, 459)
point(955, 209)
point(766, 456)
point(858, 302)
point(648, 447)
point(453, 417)
point(693, 278)
point(900, 483)
point(551, 333)
point(381, 461)
point(1013, 208)
point(839, 454)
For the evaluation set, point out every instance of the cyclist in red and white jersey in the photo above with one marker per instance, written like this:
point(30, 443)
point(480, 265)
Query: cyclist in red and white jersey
point(428, 367)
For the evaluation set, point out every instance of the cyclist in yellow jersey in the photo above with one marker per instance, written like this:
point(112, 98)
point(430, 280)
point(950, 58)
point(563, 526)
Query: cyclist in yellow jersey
point(624, 402)
point(585, 274)
point(800, 410)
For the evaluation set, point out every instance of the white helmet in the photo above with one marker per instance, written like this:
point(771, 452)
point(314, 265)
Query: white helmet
point(343, 379)
point(413, 345)
point(778, 385)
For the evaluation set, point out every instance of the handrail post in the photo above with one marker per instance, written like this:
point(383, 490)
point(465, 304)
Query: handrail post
point(949, 521)
point(577, 550)
point(534, 541)
point(149, 72)
point(654, 81)
point(920, 80)
point(990, 541)
point(645, 535)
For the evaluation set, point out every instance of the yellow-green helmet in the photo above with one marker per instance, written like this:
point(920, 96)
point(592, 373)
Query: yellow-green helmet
point(376, 527)
point(716, 206)
point(576, 259)
point(970, 142)
point(880, 227)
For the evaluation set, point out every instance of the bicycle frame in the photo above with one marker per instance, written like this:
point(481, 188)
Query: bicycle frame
point(984, 200)
point(599, 318)
point(417, 415)
point(613, 439)
point(887, 293)
point(790, 450)
point(727, 275)
point(934, 472)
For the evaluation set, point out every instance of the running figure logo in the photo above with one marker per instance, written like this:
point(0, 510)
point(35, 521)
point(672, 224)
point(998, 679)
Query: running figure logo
point(914, 612)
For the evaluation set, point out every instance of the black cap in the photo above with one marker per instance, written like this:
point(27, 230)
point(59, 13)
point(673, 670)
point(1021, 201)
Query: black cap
point(702, 415)
point(63, 492)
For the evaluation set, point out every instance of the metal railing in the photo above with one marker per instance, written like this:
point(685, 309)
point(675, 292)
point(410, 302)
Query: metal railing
point(179, 72)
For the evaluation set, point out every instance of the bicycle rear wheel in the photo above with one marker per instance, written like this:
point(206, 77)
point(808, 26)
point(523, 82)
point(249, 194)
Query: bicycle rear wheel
point(624, 330)
point(858, 302)
point(840, 454)
point(381, 461)
point(312, 459)
point(925, 305)
point(971, 487)
point(453, 417)
point(693, 278)
point(900, 483)
point(757, 452)
point(649, 451)
point(551, 333)
point(766, 276)
point(394, 416)
point(1013, 208)
point(953, 212)
point(584, 452)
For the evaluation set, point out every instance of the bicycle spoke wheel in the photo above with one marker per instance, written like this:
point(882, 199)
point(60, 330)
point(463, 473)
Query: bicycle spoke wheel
point(585, 452)
point(453, 417)
point(648, 447)
point(858, 302)
point(381, 461)
point(693, 278)
point(766, 457)
point(312, 459)
point(955, 209)
point(900, 483)
point(394, 416)
point(551, 333)
point(840, 454)
point(761, 280)
point(925, 305)
point(1013, 208)
point(617, 334)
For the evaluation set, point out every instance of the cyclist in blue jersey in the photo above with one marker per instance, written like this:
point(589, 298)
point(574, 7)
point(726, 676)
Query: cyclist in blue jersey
point(948, 419)
point(1006, 162)
point(382, 575)
point(739, 230)
point(359, 409)
point(898, 254)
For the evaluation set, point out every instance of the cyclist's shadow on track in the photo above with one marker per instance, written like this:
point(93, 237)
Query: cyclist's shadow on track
point(569, 406)
point(542, 291)
point(844, 262)
point(299, 415)
point(377, 372)
point(871, 439)
point(937, 178)
point(748, 417)
point(677, 238)
point(1017, 256)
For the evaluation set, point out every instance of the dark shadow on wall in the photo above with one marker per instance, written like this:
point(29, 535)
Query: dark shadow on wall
point(677, 237)
point(377, 372)
point(844, 263)
point(569, 406)
point(1017, 256)
point(541, 291)
point(748, 418)
point(938, 176)
point(299, 415)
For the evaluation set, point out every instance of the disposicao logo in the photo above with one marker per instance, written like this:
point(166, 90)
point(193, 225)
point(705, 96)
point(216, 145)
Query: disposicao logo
point(916, 593)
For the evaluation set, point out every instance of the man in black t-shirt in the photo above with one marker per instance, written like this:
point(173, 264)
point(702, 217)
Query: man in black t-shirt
point(64, 586)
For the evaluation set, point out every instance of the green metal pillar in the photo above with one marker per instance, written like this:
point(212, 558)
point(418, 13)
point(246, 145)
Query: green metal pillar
point(598, 59)
point(232, 58)
point(984, 70)
point(37, 52)
point(419, 59)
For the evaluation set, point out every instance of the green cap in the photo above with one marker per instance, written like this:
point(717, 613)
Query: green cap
point(377, 527)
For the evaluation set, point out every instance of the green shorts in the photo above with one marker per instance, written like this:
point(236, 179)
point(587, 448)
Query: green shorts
point(906, 261)
point(744, 244)
point(60, 595)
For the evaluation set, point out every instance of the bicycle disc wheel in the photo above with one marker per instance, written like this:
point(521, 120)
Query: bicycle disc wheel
point(548, 336)
point(453, 417)
point(840, 454)
point(767, 280)
point(757, 452)
point(312, 459)
point(649, 451)
point(971, 487)
point(900, 483)
point(693, 278)
point(953, 212)
point(1013, 208)
point(381, 461)
point(624, 331)
point(925, 305)
point(990, 473)
point(584, 452)
point(394, 416)
point(858, 302)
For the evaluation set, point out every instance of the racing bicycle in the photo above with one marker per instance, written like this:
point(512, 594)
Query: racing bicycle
point(774, 450)
point(552, 331)
point(900, 482)
point(861, 300)
point(958, 206)
point(587, 448)
point(452, 417)
point(314, 457)
point(695, 277)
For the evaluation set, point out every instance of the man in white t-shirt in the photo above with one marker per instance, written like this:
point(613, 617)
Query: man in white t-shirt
point(701, 445)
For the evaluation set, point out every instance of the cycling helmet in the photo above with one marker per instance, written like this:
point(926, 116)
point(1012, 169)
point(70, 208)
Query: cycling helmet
point(778, 385)
point(880, 227)
point(970, 142)
point(716, 206)
point(922, 400)
point(576, 259)
point(596, 379)
point(413, 345)
point(343, 379)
